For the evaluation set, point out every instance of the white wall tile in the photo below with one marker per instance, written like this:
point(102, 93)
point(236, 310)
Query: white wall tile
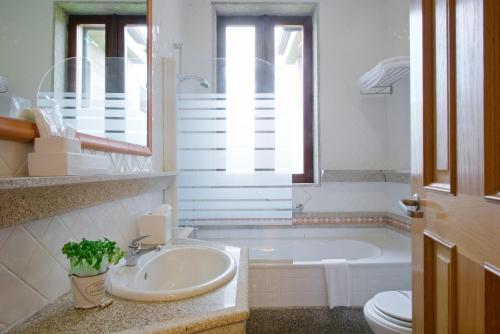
point(258, 285)
point(102, 218)
point(304, 299)
point(84, 227)
point(26, 258)
point(302, 284)
point(18, 299)
point(53, 237)
point(264, 299)
point(13, 158)
point(4, 234)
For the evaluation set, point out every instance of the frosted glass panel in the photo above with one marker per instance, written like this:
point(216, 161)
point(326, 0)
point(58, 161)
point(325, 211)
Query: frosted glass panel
point(226, 149)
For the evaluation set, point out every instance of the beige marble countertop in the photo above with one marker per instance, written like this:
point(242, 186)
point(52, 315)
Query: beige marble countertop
point(9, 183)
point(221, 307)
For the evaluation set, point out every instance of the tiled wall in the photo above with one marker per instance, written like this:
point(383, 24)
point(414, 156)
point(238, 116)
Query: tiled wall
point(305, 285)
point(14, 158)
point(287, 286)
point(32, 268)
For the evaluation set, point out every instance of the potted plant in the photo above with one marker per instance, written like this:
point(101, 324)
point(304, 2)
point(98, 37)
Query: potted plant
point(89, 262)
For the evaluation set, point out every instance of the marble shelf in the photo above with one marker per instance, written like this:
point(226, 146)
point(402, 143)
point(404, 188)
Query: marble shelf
point(26, 198)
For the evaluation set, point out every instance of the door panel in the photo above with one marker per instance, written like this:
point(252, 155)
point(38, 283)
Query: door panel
point(439, 284)
point(453, 290)
point(492, 307)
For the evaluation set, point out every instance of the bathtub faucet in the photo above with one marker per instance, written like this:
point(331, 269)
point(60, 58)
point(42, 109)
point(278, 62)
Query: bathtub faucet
point(299, 208)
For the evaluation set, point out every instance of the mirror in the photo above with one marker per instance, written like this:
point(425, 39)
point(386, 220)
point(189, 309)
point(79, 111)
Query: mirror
point(89, 59)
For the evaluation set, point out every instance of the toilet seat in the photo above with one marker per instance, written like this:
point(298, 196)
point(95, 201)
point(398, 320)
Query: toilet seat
point(394, 305)
point(389, 312)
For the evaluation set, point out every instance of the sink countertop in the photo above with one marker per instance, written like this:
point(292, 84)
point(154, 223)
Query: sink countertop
point(221, 307)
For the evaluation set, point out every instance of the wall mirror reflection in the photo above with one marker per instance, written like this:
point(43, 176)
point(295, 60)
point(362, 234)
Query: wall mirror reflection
point(89, 60)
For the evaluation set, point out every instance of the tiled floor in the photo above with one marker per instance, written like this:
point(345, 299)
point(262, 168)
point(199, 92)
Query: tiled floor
point(321, 320)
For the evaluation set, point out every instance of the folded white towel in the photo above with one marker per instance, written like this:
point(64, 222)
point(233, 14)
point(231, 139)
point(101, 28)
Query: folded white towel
point(385, 73)
point(338, 282)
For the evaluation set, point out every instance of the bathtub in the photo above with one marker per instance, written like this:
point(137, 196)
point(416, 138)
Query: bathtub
point(285, 261)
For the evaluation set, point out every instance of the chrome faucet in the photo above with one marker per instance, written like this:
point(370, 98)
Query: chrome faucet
point(136, 250)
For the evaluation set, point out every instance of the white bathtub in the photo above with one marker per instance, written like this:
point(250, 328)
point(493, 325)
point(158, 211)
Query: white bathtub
point(286, 268)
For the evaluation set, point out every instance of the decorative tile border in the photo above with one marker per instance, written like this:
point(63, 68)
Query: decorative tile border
point(397, 222)
point(339, 218)
point(390, 219)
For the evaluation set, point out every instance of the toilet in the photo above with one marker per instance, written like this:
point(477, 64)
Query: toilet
point(389, 312)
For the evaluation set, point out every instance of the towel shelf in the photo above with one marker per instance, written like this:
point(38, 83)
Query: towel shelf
point(380, 80)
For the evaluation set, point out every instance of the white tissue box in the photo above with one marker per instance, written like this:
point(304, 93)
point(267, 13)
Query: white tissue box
point(57, 145)
point(63, 164)
point(158, 226)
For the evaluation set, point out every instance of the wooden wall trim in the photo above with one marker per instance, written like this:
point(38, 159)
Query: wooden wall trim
point(17, 129)
point(94, 143)
point(24, 131)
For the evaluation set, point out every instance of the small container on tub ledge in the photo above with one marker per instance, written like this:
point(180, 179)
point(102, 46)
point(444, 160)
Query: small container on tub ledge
point(158, 225)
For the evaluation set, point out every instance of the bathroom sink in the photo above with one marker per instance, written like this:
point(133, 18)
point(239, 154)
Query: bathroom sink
point(172, 273)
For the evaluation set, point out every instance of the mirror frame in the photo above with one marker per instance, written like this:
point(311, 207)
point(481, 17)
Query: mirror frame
point(25, 131)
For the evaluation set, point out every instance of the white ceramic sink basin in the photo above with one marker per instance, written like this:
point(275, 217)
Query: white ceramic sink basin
point(172, 273)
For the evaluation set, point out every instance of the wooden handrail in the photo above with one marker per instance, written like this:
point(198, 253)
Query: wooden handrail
point(24, 131)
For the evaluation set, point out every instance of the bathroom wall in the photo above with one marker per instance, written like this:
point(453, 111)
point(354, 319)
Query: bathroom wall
point(32, 268)
point(356, 132)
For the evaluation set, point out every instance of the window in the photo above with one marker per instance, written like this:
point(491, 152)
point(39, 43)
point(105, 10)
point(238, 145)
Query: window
point(97, 37)
point(108, 79)
point(285, 42)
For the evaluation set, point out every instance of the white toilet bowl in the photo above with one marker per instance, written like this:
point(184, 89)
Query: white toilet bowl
point(389, 312)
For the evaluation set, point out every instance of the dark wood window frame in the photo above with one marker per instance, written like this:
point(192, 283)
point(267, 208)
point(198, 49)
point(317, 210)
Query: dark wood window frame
point(264, 50)
point(115, 44)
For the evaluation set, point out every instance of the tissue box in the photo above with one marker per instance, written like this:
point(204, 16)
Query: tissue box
point(158, 226)
point(57, 145)
point(63, 164)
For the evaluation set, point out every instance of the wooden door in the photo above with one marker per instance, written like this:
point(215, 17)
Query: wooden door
point(455, 102)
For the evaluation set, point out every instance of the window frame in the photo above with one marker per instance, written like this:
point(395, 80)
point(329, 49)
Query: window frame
point(264, 49)
point(115, 45)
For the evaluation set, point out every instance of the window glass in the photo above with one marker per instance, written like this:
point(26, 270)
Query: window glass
point(240, 97)
point(289, 91)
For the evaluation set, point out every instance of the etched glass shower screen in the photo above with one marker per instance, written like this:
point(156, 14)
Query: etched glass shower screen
point(226, 144)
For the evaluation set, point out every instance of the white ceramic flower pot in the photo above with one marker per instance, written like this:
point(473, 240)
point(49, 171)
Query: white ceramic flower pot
point(89, 291)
